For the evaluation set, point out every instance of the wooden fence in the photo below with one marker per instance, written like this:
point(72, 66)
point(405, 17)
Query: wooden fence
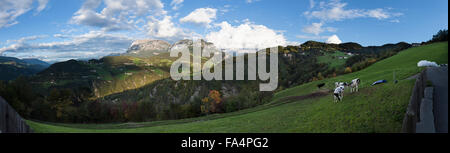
point(412, 115)
point(10, 120)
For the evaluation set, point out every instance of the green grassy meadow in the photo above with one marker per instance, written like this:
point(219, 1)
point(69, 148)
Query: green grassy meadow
point(333, 59)
point(377, 108)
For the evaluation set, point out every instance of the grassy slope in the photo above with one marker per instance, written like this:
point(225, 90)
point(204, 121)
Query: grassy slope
point(404, 63)
point(333, 59)
point(373, 109)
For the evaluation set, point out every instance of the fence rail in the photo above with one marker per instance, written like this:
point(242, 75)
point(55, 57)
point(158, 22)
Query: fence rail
point(412, 115)
point(10, 120)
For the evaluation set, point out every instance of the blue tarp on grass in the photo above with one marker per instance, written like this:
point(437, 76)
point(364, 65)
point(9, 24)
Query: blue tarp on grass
point(379, 82)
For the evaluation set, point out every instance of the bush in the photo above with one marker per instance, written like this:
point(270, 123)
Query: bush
point(232, 104)
point(348, 70)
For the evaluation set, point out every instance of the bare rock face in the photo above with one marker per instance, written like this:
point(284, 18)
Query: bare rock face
point(187, 43)
point(182, 44)
point(147, 48)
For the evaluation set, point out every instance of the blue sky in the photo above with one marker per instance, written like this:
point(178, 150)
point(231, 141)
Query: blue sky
point(55, 30)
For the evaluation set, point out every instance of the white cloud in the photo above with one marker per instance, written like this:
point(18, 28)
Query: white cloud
point(176, 4)
point(378, 13)
point(92, 18)
point(117, 14)
point(316, 29)
point(331, 29)
point(395, 21)
point(26, 39)
point(251, 1)
point(165, 29)
point(93, 44)
point(311, 4)
point(246, 35)
point(201, 16)
point(11, 9)
point(42, 5)
point(225, 9)
point(336, 11)
point(334, 39)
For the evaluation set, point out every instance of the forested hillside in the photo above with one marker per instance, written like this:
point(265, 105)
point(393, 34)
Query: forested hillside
point(131, 88)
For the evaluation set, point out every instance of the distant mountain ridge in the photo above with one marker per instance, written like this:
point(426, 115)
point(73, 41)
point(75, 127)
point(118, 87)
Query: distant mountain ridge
point(346, 47)
point(151, 47)
point(34, 61)
point(11, 67)
point(148, 47)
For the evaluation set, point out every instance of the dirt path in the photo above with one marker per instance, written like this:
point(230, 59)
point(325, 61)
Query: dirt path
point(312, 95)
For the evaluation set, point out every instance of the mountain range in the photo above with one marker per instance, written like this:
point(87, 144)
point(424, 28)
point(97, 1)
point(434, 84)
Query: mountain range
point(11, 67)
point(141, 76)
point(149, 47)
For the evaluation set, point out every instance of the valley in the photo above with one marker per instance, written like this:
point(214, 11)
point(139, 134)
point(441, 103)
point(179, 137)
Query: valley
point(373, 109)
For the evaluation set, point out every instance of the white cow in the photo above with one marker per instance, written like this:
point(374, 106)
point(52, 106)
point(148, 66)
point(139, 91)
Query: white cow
point(338, 84)
point(338, 94)
point(354, 86)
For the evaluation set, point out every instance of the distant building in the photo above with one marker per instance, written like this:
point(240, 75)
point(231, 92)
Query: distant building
point(415, 44)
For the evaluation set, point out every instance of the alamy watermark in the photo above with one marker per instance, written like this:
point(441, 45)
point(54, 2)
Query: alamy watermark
point(181, 68)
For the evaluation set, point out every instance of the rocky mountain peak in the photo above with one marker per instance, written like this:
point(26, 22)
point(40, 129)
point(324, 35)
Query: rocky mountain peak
point(150, 46)
point(189, 43)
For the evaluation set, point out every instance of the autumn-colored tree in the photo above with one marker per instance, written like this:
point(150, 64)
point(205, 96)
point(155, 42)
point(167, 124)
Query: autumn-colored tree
point(320, 76)
point(371, 61)
point(205, 105)
point(212, 103)
point(205, 100)
point(215, 95)
point(348, 70)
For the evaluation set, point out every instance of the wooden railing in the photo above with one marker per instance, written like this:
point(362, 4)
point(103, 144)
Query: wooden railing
point(412, 115)
point(10, 120)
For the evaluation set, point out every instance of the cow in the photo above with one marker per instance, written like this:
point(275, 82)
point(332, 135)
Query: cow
point(338, 84)
point(354, 86)
point(338, 94)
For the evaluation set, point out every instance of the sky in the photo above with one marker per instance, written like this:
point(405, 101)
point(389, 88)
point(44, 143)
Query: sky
point(59, 30)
